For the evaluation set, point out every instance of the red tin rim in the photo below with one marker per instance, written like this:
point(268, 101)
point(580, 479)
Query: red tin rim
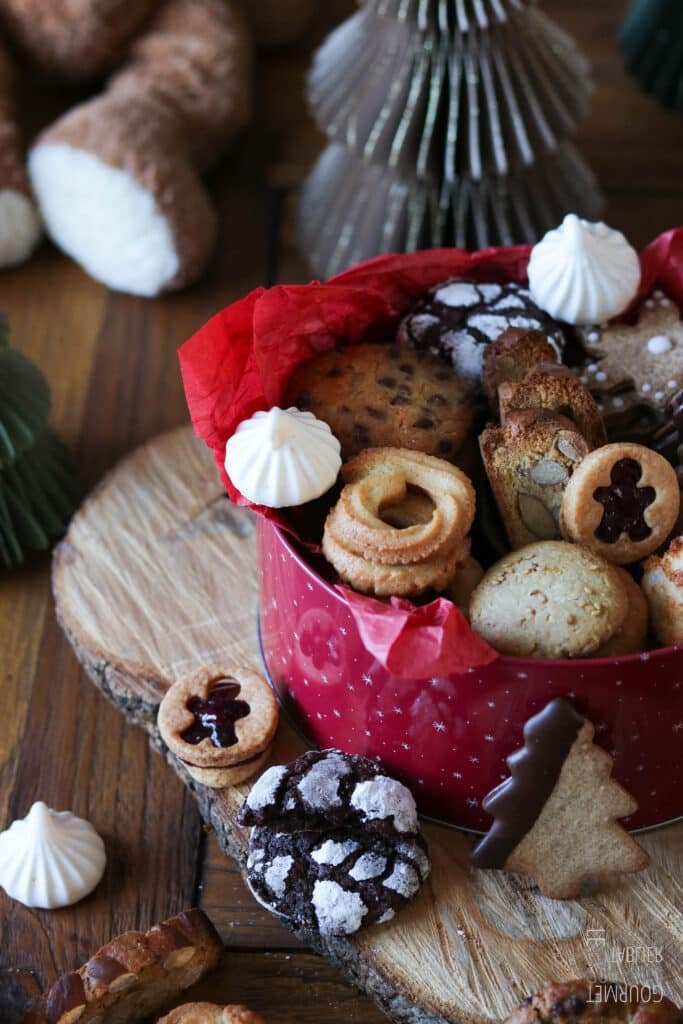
point(539, 662)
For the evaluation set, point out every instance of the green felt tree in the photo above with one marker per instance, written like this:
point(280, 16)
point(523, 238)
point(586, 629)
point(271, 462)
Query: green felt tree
point(652, 44)
point(38, 477)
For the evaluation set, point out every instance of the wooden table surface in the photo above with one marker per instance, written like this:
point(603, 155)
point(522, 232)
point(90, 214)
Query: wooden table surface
point(111, 362)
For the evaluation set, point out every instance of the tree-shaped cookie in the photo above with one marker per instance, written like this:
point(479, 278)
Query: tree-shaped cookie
point(645, 358)
point(38, 479)
point(556, 816)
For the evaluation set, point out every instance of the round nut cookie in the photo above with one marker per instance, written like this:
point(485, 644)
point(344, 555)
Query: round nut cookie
point(459, 319)
point(325, 789)
point(663, 587)
point(622, 501)
point(209, 1013)
point(381, 395)
point(549, 600)
point(632, 635)
point(220, 722)
point(592, 1001)
point(334, 882)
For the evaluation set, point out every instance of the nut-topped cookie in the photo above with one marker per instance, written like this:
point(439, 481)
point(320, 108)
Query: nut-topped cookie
point(383, 395)
point(593, 1001)
point(529, 461)
point(135, 975)
point(459, 319)
point(549, 600)
point(209, 1013)
point(220, 722)
point(621, 502)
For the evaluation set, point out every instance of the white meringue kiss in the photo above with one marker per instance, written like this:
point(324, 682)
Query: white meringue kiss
point(283, 458)
point(583, 273)
point(50, 859)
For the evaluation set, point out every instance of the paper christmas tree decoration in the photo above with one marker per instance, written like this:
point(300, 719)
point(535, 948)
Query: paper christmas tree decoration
point(38, 478)
point(449, 124)
point(555, 818)
point(652, 44)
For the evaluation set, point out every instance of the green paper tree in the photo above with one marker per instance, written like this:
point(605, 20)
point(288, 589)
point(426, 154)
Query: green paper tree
point(38, 478)
point(652, 44)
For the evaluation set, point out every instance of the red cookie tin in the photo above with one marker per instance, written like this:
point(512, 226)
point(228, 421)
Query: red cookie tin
point(448, 737)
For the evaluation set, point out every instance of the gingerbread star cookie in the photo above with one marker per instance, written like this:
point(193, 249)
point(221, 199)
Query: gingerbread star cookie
point(643, 361)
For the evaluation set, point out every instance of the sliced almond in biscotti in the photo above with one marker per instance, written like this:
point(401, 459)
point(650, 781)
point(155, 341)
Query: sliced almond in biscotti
point(134, 975)
point(529, 461)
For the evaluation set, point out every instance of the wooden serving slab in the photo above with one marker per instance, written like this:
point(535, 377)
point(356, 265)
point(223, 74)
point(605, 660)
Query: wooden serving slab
point(158, 576)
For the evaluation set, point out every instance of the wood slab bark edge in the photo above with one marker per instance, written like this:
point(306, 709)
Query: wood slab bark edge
point(473, 943)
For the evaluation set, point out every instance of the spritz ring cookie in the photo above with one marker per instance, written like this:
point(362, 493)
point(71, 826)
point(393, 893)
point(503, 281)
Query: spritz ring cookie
point(407, 558)
point(622, 502)
point(379, 479)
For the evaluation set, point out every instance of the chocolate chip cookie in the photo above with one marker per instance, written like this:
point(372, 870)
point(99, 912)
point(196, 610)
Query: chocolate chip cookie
point(334, 882)
point(376, 396)
point(459, 319)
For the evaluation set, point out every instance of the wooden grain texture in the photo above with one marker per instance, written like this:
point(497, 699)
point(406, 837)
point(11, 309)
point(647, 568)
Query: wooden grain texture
point(157, 576)
point(112, 365)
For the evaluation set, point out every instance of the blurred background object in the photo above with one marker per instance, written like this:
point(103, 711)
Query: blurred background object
point(38, 479)
point(448, 124)
point(652, 44)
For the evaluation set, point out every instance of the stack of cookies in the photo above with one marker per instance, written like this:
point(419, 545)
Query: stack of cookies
point(401, 525)
point(335, 844)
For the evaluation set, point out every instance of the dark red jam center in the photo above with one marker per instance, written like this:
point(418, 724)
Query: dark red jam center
point(624, 504)
point(215, 717)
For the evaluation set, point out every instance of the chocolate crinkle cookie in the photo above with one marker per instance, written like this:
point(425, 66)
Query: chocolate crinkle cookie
point(458, 319)
point(592, 1001)
point(334, 882)
point(336, 845)
point(328, 789)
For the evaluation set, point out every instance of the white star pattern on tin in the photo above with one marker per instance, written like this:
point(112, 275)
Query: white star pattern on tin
point(457, 775)
point(492, 703)
point(473, 760)
point(440, 726)
point(471, 802)
point(678, 726)
point(488, 738)
point(397, 710)
point(343, 630)
point(406, 746)
point(365, 678)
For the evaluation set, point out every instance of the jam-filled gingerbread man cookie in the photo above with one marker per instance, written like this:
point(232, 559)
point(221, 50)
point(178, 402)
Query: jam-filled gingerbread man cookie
point(621, 502)
point(646, 357)
point(219, 722)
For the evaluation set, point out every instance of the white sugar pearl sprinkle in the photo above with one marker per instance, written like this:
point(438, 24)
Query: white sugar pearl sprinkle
point(593, 336)
point(646, 388)
point(659, 344)
point(602, 376)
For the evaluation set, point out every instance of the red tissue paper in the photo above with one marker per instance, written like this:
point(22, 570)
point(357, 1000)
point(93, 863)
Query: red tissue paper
point(242, 359)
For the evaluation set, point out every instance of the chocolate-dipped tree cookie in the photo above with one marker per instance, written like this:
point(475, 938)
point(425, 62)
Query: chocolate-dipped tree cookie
point(555, 818)
point(38, 478)
point(449, 124)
